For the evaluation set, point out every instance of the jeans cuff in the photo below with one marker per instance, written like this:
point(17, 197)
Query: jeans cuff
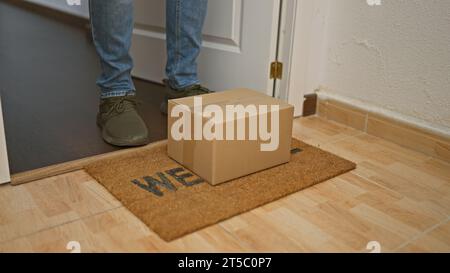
point(120, 93)
point(178, 86)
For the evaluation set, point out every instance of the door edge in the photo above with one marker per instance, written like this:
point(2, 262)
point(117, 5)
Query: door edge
point(5, 176)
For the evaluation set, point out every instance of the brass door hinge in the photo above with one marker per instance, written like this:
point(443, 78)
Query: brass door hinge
point(276, 70)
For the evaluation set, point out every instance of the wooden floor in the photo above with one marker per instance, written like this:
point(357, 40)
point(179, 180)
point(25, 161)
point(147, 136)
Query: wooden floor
point(397, 197)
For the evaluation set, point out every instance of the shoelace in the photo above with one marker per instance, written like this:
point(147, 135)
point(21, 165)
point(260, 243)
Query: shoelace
point(199, 89)
point(123, 104)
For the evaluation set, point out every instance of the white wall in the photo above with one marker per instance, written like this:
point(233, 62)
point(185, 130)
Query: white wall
point(394, 57)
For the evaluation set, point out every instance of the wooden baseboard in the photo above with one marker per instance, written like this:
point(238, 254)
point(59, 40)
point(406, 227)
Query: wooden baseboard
point(71, 166)
point(402, 133)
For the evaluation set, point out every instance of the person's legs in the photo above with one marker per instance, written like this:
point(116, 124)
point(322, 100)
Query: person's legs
point(184, 25)
point(112, 28)
point(185, 19)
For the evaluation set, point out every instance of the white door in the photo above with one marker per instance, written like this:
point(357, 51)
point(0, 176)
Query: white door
point(240, 42)
point(4, 166)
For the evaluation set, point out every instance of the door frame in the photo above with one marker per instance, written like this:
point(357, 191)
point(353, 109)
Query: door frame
point(303, 50)
point(285, 51)
point(4, 164)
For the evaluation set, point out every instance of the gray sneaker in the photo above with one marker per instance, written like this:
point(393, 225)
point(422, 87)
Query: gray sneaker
point(193, 90)
point(120, 122)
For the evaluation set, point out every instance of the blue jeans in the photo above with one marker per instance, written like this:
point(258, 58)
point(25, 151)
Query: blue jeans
point(112, 27)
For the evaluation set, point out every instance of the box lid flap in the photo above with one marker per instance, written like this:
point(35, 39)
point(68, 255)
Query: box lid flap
point(242, 96)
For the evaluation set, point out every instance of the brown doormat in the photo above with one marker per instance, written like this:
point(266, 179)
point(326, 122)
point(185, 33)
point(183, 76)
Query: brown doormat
point(174, 202)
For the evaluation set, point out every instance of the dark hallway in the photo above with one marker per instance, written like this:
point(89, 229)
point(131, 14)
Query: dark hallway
point(48, 68)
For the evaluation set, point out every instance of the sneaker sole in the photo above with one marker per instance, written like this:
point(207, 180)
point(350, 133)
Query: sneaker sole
point(122, 143)
point(125, 143)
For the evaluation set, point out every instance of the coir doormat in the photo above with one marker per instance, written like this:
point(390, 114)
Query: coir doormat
point(174, 202)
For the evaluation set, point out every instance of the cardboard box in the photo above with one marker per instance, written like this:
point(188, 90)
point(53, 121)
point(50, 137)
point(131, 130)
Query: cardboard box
point(220, 155)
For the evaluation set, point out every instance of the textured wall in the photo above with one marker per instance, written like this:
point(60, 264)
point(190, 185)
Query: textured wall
point(395, 56)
